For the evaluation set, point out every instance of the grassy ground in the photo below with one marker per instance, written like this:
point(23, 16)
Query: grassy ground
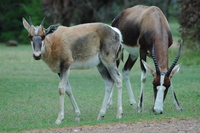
point(29, 96)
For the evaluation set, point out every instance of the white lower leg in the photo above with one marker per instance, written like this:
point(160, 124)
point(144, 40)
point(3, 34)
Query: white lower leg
point(143, 80)
point(76, 108)
point(110, 100)
point(77, 111)
point(118, 80)
point(73, 101)
point(109, 86)
point(61, 111)
point(175, 102)
point(129, 88)
point(119, 109)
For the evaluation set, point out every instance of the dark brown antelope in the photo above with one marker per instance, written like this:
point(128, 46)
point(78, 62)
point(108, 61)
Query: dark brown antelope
point(79, 47)
point(146, 32)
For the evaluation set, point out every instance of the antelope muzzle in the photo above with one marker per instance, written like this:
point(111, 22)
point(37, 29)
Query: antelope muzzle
point(37, 44)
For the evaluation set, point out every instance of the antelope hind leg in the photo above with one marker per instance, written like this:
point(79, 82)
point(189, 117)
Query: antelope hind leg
point(108, 88)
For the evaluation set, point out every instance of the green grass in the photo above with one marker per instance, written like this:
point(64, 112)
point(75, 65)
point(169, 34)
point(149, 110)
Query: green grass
point(29, 94)
point(188, 56)
point(174, 26)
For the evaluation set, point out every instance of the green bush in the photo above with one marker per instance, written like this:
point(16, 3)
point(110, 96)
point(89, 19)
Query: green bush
point(11, 15)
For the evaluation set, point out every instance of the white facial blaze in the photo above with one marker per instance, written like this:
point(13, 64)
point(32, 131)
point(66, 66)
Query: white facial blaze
point(118, 31)
point(158, 107)
point(37, 53)
point(36, 30)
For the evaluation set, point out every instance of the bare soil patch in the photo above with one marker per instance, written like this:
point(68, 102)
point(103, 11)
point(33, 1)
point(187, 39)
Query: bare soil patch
point(167, 126)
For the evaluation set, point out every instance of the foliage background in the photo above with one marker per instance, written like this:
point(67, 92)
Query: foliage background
point(190, 23)
point(72, 12)
point(66, 12)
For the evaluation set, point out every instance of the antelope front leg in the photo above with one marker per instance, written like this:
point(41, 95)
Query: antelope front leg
point(143, 80)
point(129, 88)
point(62, 94)
point(126, 74)
point(175, 100)
point(64, 87)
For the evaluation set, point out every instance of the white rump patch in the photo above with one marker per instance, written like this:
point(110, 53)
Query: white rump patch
point(92, 62)
point(36, 30)
point(118, 31)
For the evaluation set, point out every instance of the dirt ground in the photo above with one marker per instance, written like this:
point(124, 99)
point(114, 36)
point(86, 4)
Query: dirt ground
point(167, 126)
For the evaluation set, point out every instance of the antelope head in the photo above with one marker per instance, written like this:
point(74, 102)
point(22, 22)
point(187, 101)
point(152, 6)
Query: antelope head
point(161, 81)
point(36, 35)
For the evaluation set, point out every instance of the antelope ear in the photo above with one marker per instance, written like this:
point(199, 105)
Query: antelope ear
point(51, 29)
point(26, 24)
point(147, 67)
point(175, 70)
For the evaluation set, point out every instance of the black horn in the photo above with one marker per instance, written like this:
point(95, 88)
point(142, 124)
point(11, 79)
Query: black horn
point(42, 23)
point(175, 61)
point(30, 21)
point(155, 61)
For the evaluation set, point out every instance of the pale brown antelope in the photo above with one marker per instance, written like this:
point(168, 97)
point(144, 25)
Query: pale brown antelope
point(146, 32)
point(79, 47)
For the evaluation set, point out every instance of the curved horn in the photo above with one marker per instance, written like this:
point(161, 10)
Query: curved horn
point(175, 61)
point(30, 21)
point(155, 61)
point(42, 23)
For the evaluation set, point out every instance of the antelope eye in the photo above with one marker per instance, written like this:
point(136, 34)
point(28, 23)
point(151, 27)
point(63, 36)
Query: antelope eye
point(155, 84)
point(30, 37)
point(167, 86)
point(43, 37)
